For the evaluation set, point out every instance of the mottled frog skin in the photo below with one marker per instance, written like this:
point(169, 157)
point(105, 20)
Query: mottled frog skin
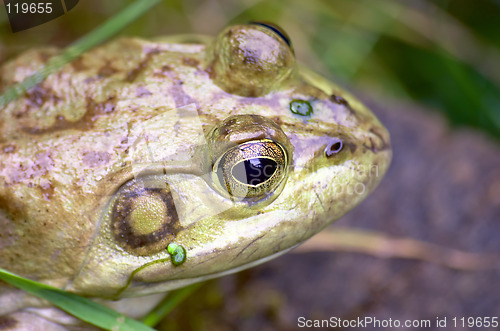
point(226, 148)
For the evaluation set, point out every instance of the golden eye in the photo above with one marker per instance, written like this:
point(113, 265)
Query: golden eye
point(144, 219)
point(249, 157)
point(251, 169)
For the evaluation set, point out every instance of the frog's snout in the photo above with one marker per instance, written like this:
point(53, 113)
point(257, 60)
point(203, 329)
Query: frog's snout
point(377, 140)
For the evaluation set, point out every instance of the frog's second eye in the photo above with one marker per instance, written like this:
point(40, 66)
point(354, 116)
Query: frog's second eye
point(251, 60)
point(276, 29)
point(251, 169)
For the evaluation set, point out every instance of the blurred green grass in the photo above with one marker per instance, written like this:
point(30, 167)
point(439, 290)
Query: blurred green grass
point(444, 54)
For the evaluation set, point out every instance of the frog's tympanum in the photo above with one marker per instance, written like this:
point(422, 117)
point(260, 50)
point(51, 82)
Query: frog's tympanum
point(147, 165)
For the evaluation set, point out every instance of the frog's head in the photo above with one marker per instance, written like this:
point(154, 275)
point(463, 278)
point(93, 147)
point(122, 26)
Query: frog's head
point(227, 152)
point(280, 154)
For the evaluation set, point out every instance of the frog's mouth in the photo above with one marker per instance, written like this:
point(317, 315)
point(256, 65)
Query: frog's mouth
point(138, 283)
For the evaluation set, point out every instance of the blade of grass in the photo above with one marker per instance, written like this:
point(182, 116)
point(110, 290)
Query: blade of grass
point(83, 308)
point(167, 304)
point(103, 32)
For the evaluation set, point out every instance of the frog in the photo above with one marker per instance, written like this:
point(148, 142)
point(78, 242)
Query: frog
point(147, 165)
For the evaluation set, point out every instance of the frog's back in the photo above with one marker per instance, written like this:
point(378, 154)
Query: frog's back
point(63, 136)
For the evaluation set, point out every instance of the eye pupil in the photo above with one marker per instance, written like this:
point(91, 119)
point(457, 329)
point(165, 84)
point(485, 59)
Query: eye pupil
point(254, 171)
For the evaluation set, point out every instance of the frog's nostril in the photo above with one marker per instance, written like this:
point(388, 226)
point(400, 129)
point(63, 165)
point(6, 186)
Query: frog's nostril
point(334, 147)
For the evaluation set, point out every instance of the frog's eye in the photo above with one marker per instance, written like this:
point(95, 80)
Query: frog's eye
point(250, 156)
point(251, 169)
point(276, 29)
point(334, 147)
point(251, 60)
point(143, 217)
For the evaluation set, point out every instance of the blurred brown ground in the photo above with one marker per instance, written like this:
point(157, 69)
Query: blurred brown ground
point(443, 187)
